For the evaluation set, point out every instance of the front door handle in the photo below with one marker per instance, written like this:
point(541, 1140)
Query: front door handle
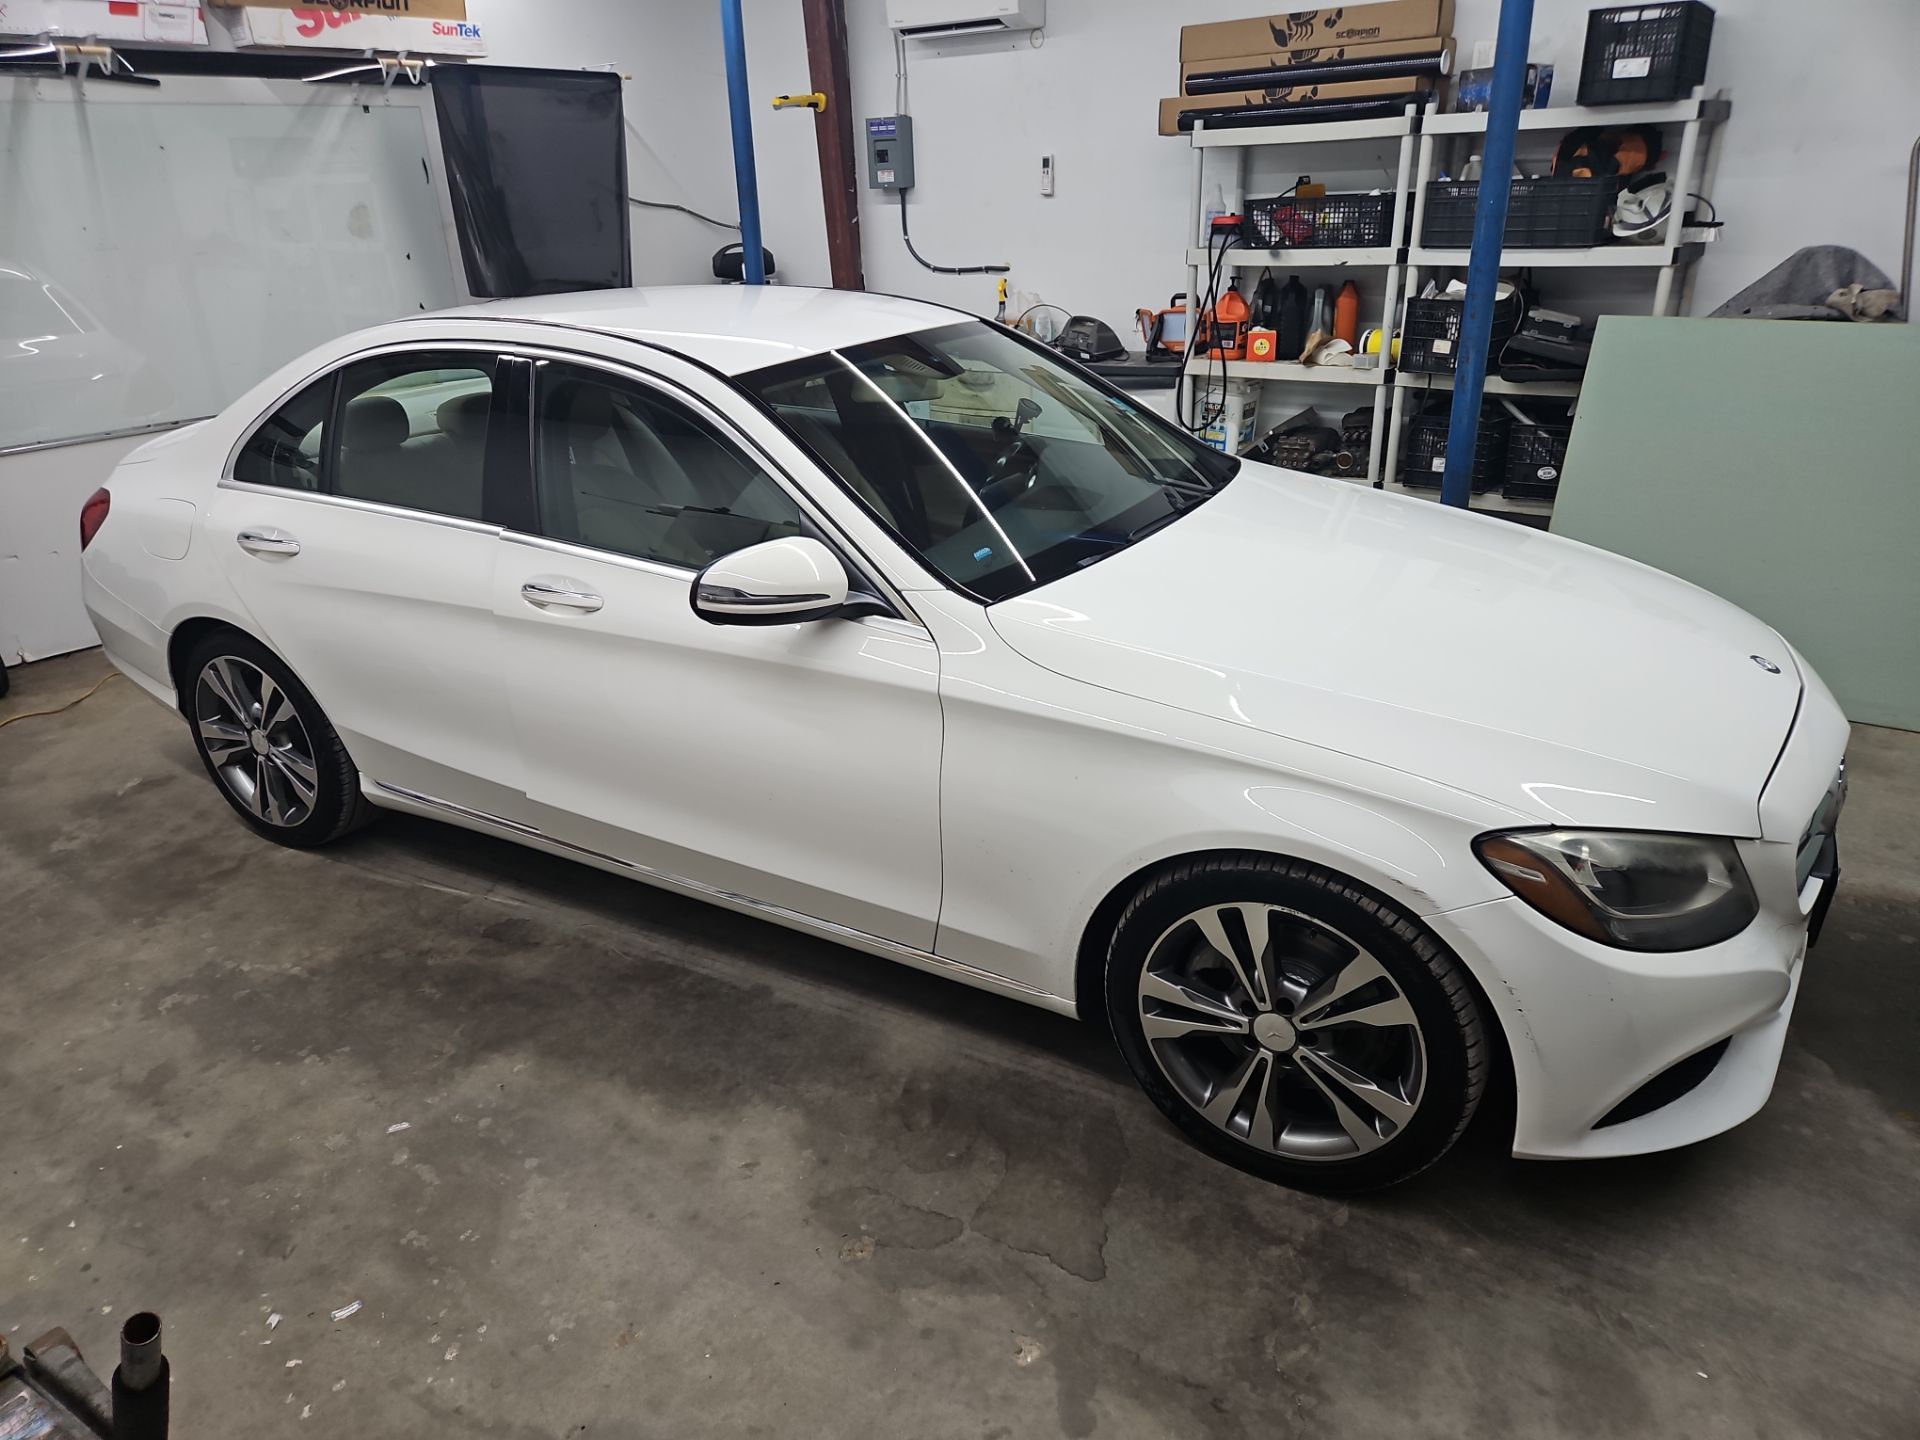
point(560, 595)
point(267, 542)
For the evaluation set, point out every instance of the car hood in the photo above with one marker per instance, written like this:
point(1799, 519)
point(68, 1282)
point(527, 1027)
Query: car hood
point(1563, 682)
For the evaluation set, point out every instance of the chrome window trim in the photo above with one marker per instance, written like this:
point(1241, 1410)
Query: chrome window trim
point(832, 929)
point(371, 507)
point(604, 557)
point(904, 623)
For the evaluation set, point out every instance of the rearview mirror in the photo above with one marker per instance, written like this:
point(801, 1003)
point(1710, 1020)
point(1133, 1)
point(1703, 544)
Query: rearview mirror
point(777, 582)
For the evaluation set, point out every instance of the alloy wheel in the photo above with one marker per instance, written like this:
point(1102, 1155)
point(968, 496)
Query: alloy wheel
point(255, 741)
point(1282, 1032)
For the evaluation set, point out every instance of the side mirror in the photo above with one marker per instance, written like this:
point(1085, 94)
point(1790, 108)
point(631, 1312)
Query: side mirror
point(777, 582)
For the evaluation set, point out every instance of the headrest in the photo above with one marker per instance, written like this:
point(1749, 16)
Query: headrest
point(376, 422)
point(465, 417)
point(590, 405)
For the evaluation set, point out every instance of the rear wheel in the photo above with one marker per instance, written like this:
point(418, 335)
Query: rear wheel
point(267, 743)
point(1293, 1024)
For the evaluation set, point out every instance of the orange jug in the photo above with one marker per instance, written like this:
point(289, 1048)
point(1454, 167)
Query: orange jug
point(1227, 325)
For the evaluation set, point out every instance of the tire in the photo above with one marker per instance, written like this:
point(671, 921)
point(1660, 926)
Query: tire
point(1357, 1067)
point(311, 793)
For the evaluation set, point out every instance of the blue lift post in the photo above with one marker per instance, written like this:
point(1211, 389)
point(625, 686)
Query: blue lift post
point(734, 36)
point(1483, 265)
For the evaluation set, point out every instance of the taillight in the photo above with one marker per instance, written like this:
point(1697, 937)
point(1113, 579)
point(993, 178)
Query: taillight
point(93, 515)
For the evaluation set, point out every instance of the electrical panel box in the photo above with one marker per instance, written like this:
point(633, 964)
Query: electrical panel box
point(890, 152)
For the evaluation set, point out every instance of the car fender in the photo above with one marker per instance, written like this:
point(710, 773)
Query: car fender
point(1056, 793)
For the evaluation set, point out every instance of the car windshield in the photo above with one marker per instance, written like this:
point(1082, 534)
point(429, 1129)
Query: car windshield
point(999, 465)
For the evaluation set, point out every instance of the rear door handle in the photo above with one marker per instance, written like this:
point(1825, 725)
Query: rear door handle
point(268, 542)
point(560, 595)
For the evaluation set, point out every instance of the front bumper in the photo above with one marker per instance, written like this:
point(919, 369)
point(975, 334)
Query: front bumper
point(1588, 1025)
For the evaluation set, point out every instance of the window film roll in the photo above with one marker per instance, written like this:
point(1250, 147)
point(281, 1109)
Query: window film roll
point(537, 167)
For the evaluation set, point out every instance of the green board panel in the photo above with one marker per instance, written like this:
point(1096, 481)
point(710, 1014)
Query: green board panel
point(1775, 463)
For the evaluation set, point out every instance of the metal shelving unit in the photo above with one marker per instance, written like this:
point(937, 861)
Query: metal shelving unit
point(1420, 132)
point(1670, 261)
point(1389, 259)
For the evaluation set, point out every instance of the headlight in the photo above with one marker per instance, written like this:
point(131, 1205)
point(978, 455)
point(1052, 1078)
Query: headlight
point(1640, 892)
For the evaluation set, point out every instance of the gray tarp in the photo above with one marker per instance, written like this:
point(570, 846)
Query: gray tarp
point(1797, 288)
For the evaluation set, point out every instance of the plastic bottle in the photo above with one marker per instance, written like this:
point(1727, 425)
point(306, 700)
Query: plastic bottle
point(1266, 302)
point(1216, 207)
point(1293, 319)
point(1346, 314)
point(1321, 316)
point(1472, 171)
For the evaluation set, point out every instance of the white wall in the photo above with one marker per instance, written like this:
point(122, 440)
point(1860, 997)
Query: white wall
point(1816, 150)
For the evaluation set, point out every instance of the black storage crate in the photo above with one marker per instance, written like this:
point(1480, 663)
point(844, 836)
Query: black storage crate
point(1317, 222)
point(1425, 455)
point(1641, 53)
point(1430, 339)
point(1541, 214)
point(1536, 456)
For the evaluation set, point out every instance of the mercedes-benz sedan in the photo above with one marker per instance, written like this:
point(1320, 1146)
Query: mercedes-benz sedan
point(889, 625)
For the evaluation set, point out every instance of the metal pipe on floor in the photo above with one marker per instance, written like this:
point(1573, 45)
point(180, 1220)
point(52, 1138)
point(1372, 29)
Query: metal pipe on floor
point(142, 1382)
point(734, 39)
point(1483, 265)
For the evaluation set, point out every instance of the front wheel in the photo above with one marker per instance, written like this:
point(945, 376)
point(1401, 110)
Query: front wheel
point(267, 744)
point(1294, 1025)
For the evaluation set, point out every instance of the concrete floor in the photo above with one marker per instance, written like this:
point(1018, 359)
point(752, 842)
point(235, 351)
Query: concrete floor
point(670, 1172)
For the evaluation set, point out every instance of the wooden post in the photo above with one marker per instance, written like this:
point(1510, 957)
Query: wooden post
point(833, 136)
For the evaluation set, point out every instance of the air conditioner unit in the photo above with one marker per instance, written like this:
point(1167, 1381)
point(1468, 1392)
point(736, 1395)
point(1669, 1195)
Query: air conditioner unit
point(937, 19)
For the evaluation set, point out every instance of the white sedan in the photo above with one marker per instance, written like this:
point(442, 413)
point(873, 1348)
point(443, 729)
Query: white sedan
point(889, 625)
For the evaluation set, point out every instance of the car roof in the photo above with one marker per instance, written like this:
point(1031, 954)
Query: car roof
point(732, 328)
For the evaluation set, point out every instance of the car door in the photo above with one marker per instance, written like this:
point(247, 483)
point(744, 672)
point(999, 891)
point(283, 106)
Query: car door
point(354, 529)
point(794, 765)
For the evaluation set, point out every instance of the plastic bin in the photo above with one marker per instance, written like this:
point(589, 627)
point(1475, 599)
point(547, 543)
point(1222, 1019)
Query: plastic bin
point(1430, 338)
point(1536, 456)
point(1541, 214)
point(1425, 455)
point(1641, 53)
point(1317, 222)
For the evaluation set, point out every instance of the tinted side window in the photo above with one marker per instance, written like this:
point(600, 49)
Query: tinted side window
point(286, 450)
point(413, 431)
point(623, 468)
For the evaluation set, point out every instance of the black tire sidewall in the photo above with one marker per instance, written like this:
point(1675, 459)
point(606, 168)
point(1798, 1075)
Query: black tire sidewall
point(1415, 960)
point(339, 784)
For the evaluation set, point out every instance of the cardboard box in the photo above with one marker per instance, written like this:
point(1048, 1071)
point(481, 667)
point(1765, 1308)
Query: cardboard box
point(329, 29)
point(139, 22)
point(1277, 61)
point(398, 9)
point(1172, 108)
point(1304, 29)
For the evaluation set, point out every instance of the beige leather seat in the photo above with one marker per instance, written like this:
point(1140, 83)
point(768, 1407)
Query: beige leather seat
point(440, 472)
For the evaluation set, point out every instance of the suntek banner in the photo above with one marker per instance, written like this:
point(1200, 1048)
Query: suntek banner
point(418, 9)
point(323, 27)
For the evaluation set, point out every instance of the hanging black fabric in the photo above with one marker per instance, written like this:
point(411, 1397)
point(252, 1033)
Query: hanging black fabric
point(537, 165)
